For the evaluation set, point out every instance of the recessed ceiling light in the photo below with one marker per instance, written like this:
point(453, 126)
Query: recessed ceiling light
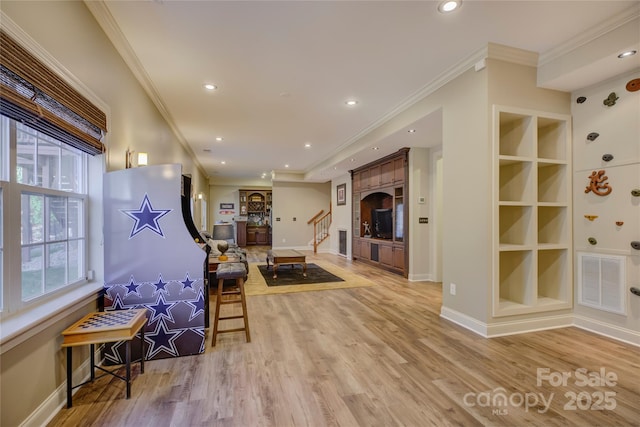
point(627, 54)
point(219, 138)
point(449, 6)
point(210, 86)
point(411, 131)
point(223, 162)
point(307, 145)
point(207, 150)
point(286, 166)
point(353, 160)
point(375, 148)
point(351, 102)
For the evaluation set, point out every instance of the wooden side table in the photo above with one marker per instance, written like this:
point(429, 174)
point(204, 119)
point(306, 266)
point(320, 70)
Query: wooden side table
point(103, 327)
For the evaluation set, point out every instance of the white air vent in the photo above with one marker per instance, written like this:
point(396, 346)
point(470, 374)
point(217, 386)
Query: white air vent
point(601, 282)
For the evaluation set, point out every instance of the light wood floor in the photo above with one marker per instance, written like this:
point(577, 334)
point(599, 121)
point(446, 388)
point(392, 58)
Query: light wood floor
point(371, 356)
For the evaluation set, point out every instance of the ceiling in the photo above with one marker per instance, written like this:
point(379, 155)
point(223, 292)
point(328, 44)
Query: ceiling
point(284, 69)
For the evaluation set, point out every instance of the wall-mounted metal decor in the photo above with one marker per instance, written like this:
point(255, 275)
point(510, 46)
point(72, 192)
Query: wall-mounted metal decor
point(635, 192)
point(592, 136)
point(635, 245)
point(619, 223)
point(591, 217)
point(607, 157)
point(610, 101)
point(581, 99)
point(597, 183)
point(633, 85)
point(592, 241)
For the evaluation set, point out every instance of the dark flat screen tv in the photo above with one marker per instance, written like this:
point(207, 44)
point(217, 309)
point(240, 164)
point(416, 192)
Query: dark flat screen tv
point(382, 222)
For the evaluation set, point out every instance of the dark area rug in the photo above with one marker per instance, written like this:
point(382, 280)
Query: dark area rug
point(292, 275)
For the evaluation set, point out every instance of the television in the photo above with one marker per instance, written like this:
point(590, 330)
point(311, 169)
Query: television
point(382, 223)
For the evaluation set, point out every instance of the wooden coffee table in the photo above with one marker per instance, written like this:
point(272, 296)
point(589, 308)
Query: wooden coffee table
point(286, 256)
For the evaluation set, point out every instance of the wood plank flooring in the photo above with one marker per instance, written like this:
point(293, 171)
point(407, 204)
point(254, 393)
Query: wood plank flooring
point(372, 356)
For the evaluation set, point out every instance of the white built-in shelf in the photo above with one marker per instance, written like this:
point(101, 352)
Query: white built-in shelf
point(533, 268)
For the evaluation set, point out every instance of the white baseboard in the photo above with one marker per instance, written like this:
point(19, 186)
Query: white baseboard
point(611, 331)
point(57, 400)
point(506, 328)
point(465, 321)
point(420, 277)
point(529, 325)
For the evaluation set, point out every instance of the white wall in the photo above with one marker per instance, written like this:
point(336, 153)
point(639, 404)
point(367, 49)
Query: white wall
point(619, 129)
point(301, 201)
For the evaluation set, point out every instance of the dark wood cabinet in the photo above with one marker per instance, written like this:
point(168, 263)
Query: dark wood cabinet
point(241, 233)
point(380, 212)
point(256, 206)
point(258, 235)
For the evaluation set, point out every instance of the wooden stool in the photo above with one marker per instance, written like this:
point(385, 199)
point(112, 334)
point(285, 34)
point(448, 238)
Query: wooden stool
point(237, 271)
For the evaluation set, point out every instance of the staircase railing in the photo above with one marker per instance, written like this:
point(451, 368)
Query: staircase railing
point(321, 224)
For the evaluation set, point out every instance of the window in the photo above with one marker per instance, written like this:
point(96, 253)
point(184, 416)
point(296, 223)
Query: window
point(48, 187)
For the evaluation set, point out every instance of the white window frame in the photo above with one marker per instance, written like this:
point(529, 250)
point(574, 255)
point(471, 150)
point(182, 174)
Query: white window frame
point(37, 316)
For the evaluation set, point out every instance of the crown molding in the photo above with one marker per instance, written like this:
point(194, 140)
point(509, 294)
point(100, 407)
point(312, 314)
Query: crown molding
point(26, 41)
point(105, 19)
point(590, 35)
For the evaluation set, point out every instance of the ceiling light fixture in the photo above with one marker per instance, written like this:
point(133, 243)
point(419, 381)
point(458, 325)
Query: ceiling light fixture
point(449, 6)
point(286, 166)
point(627, 54)
point(411, 131)
point(375, 148)
point(219, 138)
point(210, 86)
point(223, 162)
point(307, 145)
point(351, 102)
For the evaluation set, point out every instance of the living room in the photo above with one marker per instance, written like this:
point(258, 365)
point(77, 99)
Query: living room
point(460, 195)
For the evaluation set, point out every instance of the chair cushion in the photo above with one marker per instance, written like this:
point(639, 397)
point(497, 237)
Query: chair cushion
point(231, 270)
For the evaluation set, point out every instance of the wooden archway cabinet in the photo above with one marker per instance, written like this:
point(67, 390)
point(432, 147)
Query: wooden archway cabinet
point(380, 212)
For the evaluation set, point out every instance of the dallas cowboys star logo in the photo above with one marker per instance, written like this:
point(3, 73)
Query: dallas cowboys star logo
point(145, 217)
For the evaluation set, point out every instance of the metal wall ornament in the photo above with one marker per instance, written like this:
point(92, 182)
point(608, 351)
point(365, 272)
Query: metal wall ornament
point(591, 217)
point(619, 223)
point(592, 241)
point(581, 99)
point(607, 157)
point(592, 136)
point(610, 101)
point(597, 184)
point(635, 192)
point(635, 245)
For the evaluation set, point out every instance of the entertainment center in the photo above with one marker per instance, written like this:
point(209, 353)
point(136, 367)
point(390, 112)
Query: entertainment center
point(379, 214)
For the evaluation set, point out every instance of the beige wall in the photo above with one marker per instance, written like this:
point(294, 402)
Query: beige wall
point(34, 371)
point(300, 201)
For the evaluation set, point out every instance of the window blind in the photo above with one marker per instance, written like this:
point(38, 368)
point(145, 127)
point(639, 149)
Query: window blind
point(30, 92)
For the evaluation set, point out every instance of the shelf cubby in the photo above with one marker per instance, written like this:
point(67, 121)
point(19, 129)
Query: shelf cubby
point(553, 274)
point(553, 225)
point(516, 225)
point(516, 135)
point(552, 183)
point(552, 136)
point(515, 181)
point(516, 279)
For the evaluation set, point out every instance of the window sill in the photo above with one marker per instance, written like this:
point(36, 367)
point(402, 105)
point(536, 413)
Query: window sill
point(22, 326)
